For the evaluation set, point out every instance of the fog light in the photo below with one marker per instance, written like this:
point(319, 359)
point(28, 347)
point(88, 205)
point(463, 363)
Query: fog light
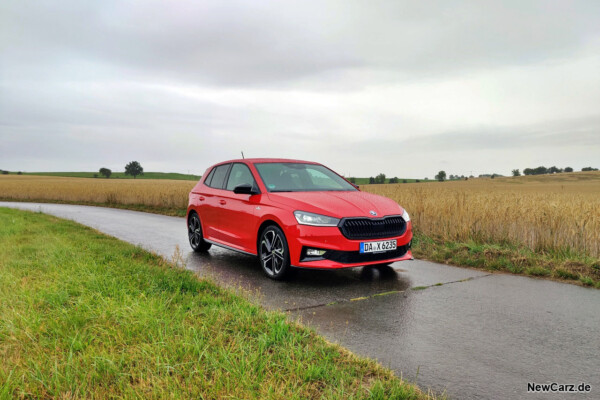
point(315, 252)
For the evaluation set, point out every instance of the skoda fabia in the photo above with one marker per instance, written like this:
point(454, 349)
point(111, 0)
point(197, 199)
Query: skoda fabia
point(294, 213)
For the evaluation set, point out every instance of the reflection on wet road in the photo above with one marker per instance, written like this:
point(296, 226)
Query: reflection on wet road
point(474, 334)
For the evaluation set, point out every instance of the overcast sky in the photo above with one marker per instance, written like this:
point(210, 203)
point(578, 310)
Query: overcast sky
point(407, 88)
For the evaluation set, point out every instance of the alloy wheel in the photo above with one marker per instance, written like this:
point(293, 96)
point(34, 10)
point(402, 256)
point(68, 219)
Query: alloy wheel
point(272, 252)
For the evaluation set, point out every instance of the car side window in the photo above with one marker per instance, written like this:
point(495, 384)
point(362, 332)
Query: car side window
point(209, 177)
point(218, 178)
point(240, 174)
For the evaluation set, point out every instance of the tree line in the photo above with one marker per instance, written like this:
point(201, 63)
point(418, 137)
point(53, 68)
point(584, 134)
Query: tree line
point(442, 176)
point(552, 170)
point(132, 168)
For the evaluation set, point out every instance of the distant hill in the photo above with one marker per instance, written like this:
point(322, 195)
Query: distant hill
point(120, 175)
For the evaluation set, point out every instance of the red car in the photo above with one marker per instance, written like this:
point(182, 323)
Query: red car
point(294, 213)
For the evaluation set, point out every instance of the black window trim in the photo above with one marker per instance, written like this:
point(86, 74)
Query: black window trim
point(249, 169)
point(224, 180)
point(209, 177)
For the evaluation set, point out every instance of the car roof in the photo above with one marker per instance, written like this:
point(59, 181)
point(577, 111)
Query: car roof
point(266, 160)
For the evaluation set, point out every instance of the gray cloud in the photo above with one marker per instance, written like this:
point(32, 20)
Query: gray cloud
point(250, 43)
point(394, 86)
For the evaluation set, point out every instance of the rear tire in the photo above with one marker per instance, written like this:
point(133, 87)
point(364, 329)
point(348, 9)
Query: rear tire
point(197, 242)
point(274, 253)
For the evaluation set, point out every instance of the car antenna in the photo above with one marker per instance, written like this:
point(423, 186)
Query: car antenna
point(243, 155)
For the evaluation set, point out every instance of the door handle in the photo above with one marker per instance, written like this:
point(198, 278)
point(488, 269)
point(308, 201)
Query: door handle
point(222, 202)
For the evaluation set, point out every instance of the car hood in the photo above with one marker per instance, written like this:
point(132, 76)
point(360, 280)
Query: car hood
point(339, 204)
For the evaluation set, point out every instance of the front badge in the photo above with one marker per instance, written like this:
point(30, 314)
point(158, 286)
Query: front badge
point(373, 213)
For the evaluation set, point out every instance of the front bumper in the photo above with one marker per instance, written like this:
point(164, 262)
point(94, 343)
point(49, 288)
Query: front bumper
point(341, 252)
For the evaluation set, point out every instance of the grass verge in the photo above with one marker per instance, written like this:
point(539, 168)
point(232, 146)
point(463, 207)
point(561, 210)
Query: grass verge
point(563, 266)
point(170, 211)
point(86, 315)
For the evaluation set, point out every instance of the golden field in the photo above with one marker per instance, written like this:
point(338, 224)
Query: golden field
point(158, 193)
point(543, 212)
point(546, 212)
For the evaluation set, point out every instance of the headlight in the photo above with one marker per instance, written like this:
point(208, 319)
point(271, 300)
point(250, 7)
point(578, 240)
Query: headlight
point(406, 216)
point(306, 218)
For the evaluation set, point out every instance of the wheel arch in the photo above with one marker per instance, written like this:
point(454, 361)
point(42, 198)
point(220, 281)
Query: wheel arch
point(264, 225)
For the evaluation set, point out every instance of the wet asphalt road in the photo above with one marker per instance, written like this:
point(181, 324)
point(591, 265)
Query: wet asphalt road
point(470, 333)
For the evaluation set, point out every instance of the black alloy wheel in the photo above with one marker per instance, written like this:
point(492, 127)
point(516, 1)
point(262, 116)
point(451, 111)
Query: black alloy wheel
point(197, 241)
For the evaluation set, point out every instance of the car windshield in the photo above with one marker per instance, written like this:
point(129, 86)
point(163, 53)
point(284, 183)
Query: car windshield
point(300, 177)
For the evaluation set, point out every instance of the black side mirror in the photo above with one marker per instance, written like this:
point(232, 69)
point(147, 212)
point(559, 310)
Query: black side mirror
point(355, 185)
point(244, 188)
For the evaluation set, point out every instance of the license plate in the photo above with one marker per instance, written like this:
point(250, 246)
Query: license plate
point(378, 247)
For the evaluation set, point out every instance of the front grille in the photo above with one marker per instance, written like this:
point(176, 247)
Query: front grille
point(355, 257)
point(370, 228)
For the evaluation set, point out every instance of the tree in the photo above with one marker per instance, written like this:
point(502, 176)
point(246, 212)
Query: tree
point(554, 170)
point(568, 169)
point(380, 178)
point(516, 172)
point(404, 181)
point(394, 180)
point(4, 172)
point(589, 169)
point(19, 173)
point(441, 176)
point(527, 171)
point(134, 169)
point(371, 180)
point(105, 172)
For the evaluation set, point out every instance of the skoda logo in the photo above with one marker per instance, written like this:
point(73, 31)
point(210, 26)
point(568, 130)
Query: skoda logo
point(373, 213)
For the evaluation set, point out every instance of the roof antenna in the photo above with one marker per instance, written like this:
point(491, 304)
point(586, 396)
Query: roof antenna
point(243, 155)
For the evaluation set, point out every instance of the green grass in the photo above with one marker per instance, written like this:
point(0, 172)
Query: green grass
point(567, 266)
point(86, 315)
point(120, 175)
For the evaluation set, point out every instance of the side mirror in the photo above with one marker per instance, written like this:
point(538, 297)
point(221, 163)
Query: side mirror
point(355, 185)
point(244, 188)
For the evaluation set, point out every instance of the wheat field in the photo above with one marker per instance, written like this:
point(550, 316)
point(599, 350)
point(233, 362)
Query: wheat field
point(162, 193)
point(549, 212)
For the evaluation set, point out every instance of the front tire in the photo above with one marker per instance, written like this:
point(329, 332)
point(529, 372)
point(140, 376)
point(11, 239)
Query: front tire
point(197, 242)
point(273, 253)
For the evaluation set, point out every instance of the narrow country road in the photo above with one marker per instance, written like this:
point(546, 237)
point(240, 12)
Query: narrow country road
point(474, 334)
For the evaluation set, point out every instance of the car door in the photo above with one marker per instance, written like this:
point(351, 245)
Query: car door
point(238, 215)
point(210, 206)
